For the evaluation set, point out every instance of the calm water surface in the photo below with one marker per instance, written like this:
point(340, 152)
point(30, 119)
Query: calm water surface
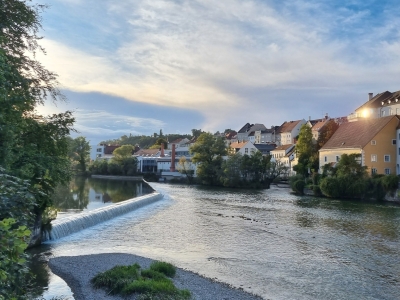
point(272, 243)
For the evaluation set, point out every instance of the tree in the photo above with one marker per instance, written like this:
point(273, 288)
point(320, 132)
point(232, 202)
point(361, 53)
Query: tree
point(122, 152)
point(349, 179)
point(80, 152)
point(232, 175)
point(32, 147)
point(326, 133)
point(159, 142)
point(207, 153)
point(306, 152)
point(185, 167)
point(196, 132)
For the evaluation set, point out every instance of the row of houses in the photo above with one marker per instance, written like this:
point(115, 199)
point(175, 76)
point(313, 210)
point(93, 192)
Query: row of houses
point(373, 131)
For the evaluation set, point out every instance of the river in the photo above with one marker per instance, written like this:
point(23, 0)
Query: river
point(268, 242)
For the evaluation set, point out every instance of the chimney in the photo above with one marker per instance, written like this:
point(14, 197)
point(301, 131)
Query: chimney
point(172, 168)
point(162, 150)
point(370, 96)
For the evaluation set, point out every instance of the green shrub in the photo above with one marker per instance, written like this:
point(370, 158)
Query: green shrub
point(298, 186)
point(316, 190)
point(115, 279)
point(390, 183)
point(330, 187)
point(163, 267)
point(151, 284)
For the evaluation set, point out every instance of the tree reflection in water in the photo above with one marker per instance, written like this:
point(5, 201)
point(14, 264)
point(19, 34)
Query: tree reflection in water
point(90, 193)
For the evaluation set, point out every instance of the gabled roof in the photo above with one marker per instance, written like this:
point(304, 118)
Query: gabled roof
point(375, 101)
point(283, 147)
point(252, 127)
point(317, 126)
point(147, 152)
point(357, 134)
point(245, 128)
point(238, 145)
point(289, 126)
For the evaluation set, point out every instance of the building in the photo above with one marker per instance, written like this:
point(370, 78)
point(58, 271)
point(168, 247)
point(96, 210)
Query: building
point(377, 140)
point(378, 106)
point(286, 155)
point(248, 130)
point(245, 147)
point(266, 136)
point(102, 151)
point(289, 131)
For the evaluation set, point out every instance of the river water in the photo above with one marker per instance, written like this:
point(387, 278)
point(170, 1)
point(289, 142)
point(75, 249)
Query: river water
point(268, 242)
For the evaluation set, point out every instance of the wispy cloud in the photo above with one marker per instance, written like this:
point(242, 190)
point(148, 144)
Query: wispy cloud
point(229, 56)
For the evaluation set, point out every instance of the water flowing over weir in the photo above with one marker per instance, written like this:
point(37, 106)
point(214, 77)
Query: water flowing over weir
point(72, 224)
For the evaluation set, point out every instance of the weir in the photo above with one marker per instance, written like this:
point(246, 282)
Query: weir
point(72, 224)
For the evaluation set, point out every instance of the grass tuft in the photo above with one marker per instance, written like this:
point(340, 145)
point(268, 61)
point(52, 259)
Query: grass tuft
point(115, 279)
point(163, 267)
point(151, 284)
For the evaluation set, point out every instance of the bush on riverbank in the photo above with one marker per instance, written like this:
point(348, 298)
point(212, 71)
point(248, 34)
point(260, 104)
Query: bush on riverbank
point(152, 283)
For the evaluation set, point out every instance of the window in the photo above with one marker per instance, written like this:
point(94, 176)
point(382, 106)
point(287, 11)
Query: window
point(373, 171)
point(387, 158)
point(98, 149)
point(373, 142)
point(246, 150)
point(373, 157)
point(252, 150)
point(399, 151)
point(382, 113)
point(387, 171)
point(337, 158)
point(393, 142)
point(326, 158)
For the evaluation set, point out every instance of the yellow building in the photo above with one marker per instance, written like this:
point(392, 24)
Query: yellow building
point(376, 139)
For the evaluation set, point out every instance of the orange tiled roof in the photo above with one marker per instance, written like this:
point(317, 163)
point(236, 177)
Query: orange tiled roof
point(288, 126)
point(238, 145)
point(283, 147)
point(317, 126)
point(357, 134)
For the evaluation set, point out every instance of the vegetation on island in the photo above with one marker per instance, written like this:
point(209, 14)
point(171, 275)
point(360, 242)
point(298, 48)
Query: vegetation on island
point(347, 179)
point(237, 170)
point(151, 284)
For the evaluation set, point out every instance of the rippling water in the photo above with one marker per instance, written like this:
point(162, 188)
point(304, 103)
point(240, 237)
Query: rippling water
point(269, 242)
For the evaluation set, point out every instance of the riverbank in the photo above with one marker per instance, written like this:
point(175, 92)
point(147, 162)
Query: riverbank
point(78, 270)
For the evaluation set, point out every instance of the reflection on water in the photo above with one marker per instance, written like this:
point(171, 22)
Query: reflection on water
point(272, 243)
point(84, 194)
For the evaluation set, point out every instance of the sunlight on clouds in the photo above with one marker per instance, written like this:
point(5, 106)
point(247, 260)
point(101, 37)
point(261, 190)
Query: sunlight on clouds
point(225, 56)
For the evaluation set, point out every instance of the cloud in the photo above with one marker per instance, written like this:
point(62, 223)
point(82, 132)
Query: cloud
point(231, 56)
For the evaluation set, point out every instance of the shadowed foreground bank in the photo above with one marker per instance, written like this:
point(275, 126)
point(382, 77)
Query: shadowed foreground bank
point(78, 270)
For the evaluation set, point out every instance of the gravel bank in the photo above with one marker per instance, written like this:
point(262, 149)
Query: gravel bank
point(78, 270)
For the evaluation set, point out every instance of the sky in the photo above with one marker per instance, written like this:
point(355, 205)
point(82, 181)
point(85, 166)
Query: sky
point(138, 66)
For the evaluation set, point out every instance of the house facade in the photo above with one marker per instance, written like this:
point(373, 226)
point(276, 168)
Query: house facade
point(377, 140)
point(286, 155)
point(243, 148)
point(378, 106)
point(247, 132)
point(289, 131)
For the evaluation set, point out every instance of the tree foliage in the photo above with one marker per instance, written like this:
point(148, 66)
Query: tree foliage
point(306, 152)
point(326, 133)
point(79, 151)
point(186, 167)
point(32, 147)
point(207, 153)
